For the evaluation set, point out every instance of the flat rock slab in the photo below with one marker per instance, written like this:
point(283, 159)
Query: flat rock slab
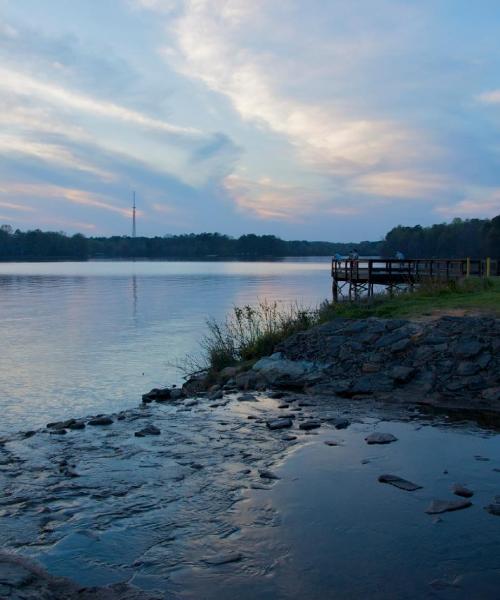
point(280, 423)
point(247, 398)
point(460, 490)
point(440, 506)
point(308, 425)
point(399, 482)
point(380, 438)
point(224, 558)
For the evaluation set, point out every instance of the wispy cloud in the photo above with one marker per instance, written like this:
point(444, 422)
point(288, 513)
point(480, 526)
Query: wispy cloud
point(75, 196)
point(485, 203)
point(26, 85)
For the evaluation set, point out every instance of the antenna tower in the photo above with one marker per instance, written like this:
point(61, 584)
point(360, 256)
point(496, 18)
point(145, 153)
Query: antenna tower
point(133, 216)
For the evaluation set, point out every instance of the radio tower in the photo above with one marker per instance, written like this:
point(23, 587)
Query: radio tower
point(133, 216)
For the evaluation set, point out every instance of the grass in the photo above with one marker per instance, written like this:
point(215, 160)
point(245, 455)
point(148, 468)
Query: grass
point(252, 332)
point(470, 295)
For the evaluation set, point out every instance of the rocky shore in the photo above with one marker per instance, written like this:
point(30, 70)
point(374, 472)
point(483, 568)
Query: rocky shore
point(124, 498)
point(449, 363)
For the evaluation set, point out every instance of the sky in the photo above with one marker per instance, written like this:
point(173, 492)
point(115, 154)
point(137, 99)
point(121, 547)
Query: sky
point(321, 119)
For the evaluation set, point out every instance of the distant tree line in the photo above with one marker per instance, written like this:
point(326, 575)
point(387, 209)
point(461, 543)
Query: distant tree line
point(474, 238)
point(19, 245)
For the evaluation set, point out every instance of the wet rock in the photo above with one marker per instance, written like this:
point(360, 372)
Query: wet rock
point(340, 423)
point(280, 423)
point(461, 490)
point(176, 394)
point(58, 432)
point(77, 425)
point(97, 421)
point(215, 395)
point(194, 402)
point(440, 506)
point(266, 474)
point(380, 438)
point(148, 430)
point(369, 384)
point(277, 395)
point(311, 424)
point(224, 558)
point(289, 438)
point(247, 398)
point(332, 443)
point(402, 374)
point(494, 507)
point(284, 406)
point(399, 482)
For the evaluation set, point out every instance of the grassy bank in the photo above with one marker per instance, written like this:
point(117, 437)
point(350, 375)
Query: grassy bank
point(252, 332)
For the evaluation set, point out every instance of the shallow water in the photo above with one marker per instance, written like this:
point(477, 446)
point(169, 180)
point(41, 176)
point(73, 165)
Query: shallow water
point(162, 511)
point(92, 337)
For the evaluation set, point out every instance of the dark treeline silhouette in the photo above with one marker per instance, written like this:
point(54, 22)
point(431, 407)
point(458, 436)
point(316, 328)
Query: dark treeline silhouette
point(474, 238)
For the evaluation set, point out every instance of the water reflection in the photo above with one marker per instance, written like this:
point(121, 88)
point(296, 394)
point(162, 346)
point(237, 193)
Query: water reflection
point(93, 336)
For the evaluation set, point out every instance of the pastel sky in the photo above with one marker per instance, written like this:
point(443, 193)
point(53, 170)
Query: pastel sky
point(317, 119)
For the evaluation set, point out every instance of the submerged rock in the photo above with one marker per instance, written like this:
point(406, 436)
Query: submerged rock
point(311, 424)
point(440, 506)
point(461, 490)
point(380, 438)
point(399, 482)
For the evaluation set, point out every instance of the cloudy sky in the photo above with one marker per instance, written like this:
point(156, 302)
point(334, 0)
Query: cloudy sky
point(317, 119)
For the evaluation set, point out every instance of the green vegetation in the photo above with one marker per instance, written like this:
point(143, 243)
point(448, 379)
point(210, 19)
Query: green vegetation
point(470, 295)
point(252, 332)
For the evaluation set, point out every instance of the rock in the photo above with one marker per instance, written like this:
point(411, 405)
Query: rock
point(380, 438)
point(176, 394)
point(332, 443)
point(229, 373)
point(370, 368)
point(340, 423)
point(369, 384)
point(100, 421)
point(468, 368)
point(440, 506)
point(277, 395)
point(279, 423)
point(494, 507)
point(278, 371)
point(400, 346)
point(491, 394)
point(284, 406)
point(247, 398)
point(289, 438)
point(193, 402)
point(214, 395)
point(158, 394)
point(266, 474)
point(461, 490)
point(468, 349)
point(402, 374)
point(148, 430)
point(58, 432)
point(196, 383)
point(402, 484)
point(311, 424)
point(224, 558)
point(77, 425)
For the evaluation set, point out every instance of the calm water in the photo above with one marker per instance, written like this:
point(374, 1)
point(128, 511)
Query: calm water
point(82, 338)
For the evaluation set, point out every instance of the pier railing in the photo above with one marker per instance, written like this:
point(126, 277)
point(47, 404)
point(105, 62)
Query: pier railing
point(362, 274)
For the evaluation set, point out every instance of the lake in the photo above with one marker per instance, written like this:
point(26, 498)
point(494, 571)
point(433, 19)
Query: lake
point(81, 338)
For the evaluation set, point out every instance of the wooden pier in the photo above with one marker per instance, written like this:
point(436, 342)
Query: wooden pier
point(355, 278)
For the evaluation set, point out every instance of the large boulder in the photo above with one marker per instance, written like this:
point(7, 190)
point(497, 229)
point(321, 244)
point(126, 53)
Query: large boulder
point(281, 372)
